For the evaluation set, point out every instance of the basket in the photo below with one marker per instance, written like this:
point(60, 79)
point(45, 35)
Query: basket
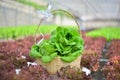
point(56, 64)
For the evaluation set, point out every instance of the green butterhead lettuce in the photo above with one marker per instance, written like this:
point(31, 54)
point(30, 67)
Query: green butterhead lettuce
point(64, 42)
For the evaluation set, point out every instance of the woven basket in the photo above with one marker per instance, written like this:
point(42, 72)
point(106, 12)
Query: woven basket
point(56, 64)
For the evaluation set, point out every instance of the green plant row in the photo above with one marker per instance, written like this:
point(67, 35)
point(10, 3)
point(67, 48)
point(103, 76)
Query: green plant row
point(21, 31)
point(109, 33)
point(64, 42)
point(33, 4)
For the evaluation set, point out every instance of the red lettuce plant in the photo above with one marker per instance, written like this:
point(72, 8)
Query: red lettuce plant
point(112, 69)
point(92, 52)
point(69, 73)
point(114, 48)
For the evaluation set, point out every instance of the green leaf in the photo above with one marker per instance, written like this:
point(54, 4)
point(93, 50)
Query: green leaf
point(66, 52)
point(68, 58)
point(34, 52)
point(58, 47)
point(46, 59)
point(67, 48)
point(75, 54)
point(53, 55)
point(72, 43)
point(66, 41)
point(61, 46)
point(80, 47)
point(49, 48)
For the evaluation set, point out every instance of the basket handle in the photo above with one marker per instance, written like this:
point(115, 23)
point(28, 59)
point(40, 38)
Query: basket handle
point(55, 11)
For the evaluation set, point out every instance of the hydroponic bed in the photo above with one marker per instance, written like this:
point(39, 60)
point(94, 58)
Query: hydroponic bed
point(101, 56)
